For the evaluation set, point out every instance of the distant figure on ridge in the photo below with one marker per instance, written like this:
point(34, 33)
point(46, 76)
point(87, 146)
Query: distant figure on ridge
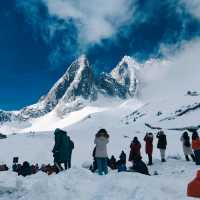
point(149, 146)
point(187, 149)
point(101, 155)
point(162, 144)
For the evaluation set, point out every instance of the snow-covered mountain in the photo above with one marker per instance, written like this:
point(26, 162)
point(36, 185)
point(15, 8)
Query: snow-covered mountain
point(78, 87)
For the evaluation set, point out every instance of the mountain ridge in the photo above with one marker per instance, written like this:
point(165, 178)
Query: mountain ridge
point(77, 85)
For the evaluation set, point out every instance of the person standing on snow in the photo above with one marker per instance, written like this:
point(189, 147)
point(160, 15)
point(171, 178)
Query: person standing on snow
point(149, 146)
point(61, 151)
point(187, 149)
point(196, 146)
point(101, 155)
point(69, 158)
point(162, 144)
point(135, 150)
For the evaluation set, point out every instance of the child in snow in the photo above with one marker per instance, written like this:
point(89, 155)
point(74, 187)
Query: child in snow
point(187, 149)
point(101, 141)
point(149, 146)
point(135, 150)
point(196, 146)
point(162, 144)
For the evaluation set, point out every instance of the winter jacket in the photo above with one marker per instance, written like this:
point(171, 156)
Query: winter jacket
point(187, 149)
point(162, 141)
point(135, 151)
point(140, 167)
point(101, 147)
point(61, 150)
point(71, 145)
point(149, 144)
point(122, 158)
point(196, 144)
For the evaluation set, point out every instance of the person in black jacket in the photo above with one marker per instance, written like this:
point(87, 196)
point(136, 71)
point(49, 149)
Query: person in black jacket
point(25, 169)
point(140, 167)
point(162, 144)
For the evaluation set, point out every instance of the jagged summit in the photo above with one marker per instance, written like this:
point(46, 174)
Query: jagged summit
point(78, 86)
point(126, 74)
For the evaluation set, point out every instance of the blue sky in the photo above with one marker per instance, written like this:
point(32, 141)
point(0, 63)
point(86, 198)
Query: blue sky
point(39, 40)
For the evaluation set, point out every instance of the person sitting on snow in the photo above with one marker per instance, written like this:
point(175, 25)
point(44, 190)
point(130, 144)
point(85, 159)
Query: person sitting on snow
point(139, 166)
point(121, 163)
point(112, 163)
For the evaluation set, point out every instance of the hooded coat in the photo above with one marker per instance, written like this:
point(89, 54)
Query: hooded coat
point(135, 150)
point(101, 147)
point(187, 149)
point(61, 150)
point(149, 144)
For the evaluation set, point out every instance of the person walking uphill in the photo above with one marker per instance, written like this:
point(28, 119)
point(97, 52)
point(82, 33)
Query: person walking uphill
point(196, 146)
point(101, 155)
point(135, 150)
point(187, 149)
point(61, 148)
point(162, 144)
point(149, 146)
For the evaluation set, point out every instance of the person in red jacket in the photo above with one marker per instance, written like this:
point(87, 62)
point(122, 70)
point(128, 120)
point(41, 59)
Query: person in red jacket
point(149, 146)
point(135, 150)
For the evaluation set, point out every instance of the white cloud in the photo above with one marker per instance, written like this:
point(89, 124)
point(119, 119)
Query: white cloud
point(95, 19)
point(193, 7)
point(176, 76)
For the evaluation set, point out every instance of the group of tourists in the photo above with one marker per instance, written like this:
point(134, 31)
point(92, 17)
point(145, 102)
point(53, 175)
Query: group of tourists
point(191, 150)
point(101, 161)
point(63, 147)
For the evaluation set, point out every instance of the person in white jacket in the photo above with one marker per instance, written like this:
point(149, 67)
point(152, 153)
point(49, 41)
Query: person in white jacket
point(101, 155)
point(187, 147)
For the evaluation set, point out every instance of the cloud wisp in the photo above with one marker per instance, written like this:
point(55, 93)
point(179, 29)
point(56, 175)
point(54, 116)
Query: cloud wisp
point(95, 19)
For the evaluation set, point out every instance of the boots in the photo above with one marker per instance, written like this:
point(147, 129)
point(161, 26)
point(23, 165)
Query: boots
point(150, 160)
point(187, 158)
point(193, 157)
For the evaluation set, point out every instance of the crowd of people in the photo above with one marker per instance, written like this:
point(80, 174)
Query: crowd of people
point(63, 147)
point(101, 161)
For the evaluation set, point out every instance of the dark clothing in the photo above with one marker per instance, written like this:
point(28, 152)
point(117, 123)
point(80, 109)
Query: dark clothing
point(102, 165)
point(197, 156)
point(162, 141)
point(135, 151)
point(112, 163)
point(61, 150)
point(122, 158)
point(25, 169)
point(140, 167)
point(68, 162)
point(149, 144)
point(93, 167)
